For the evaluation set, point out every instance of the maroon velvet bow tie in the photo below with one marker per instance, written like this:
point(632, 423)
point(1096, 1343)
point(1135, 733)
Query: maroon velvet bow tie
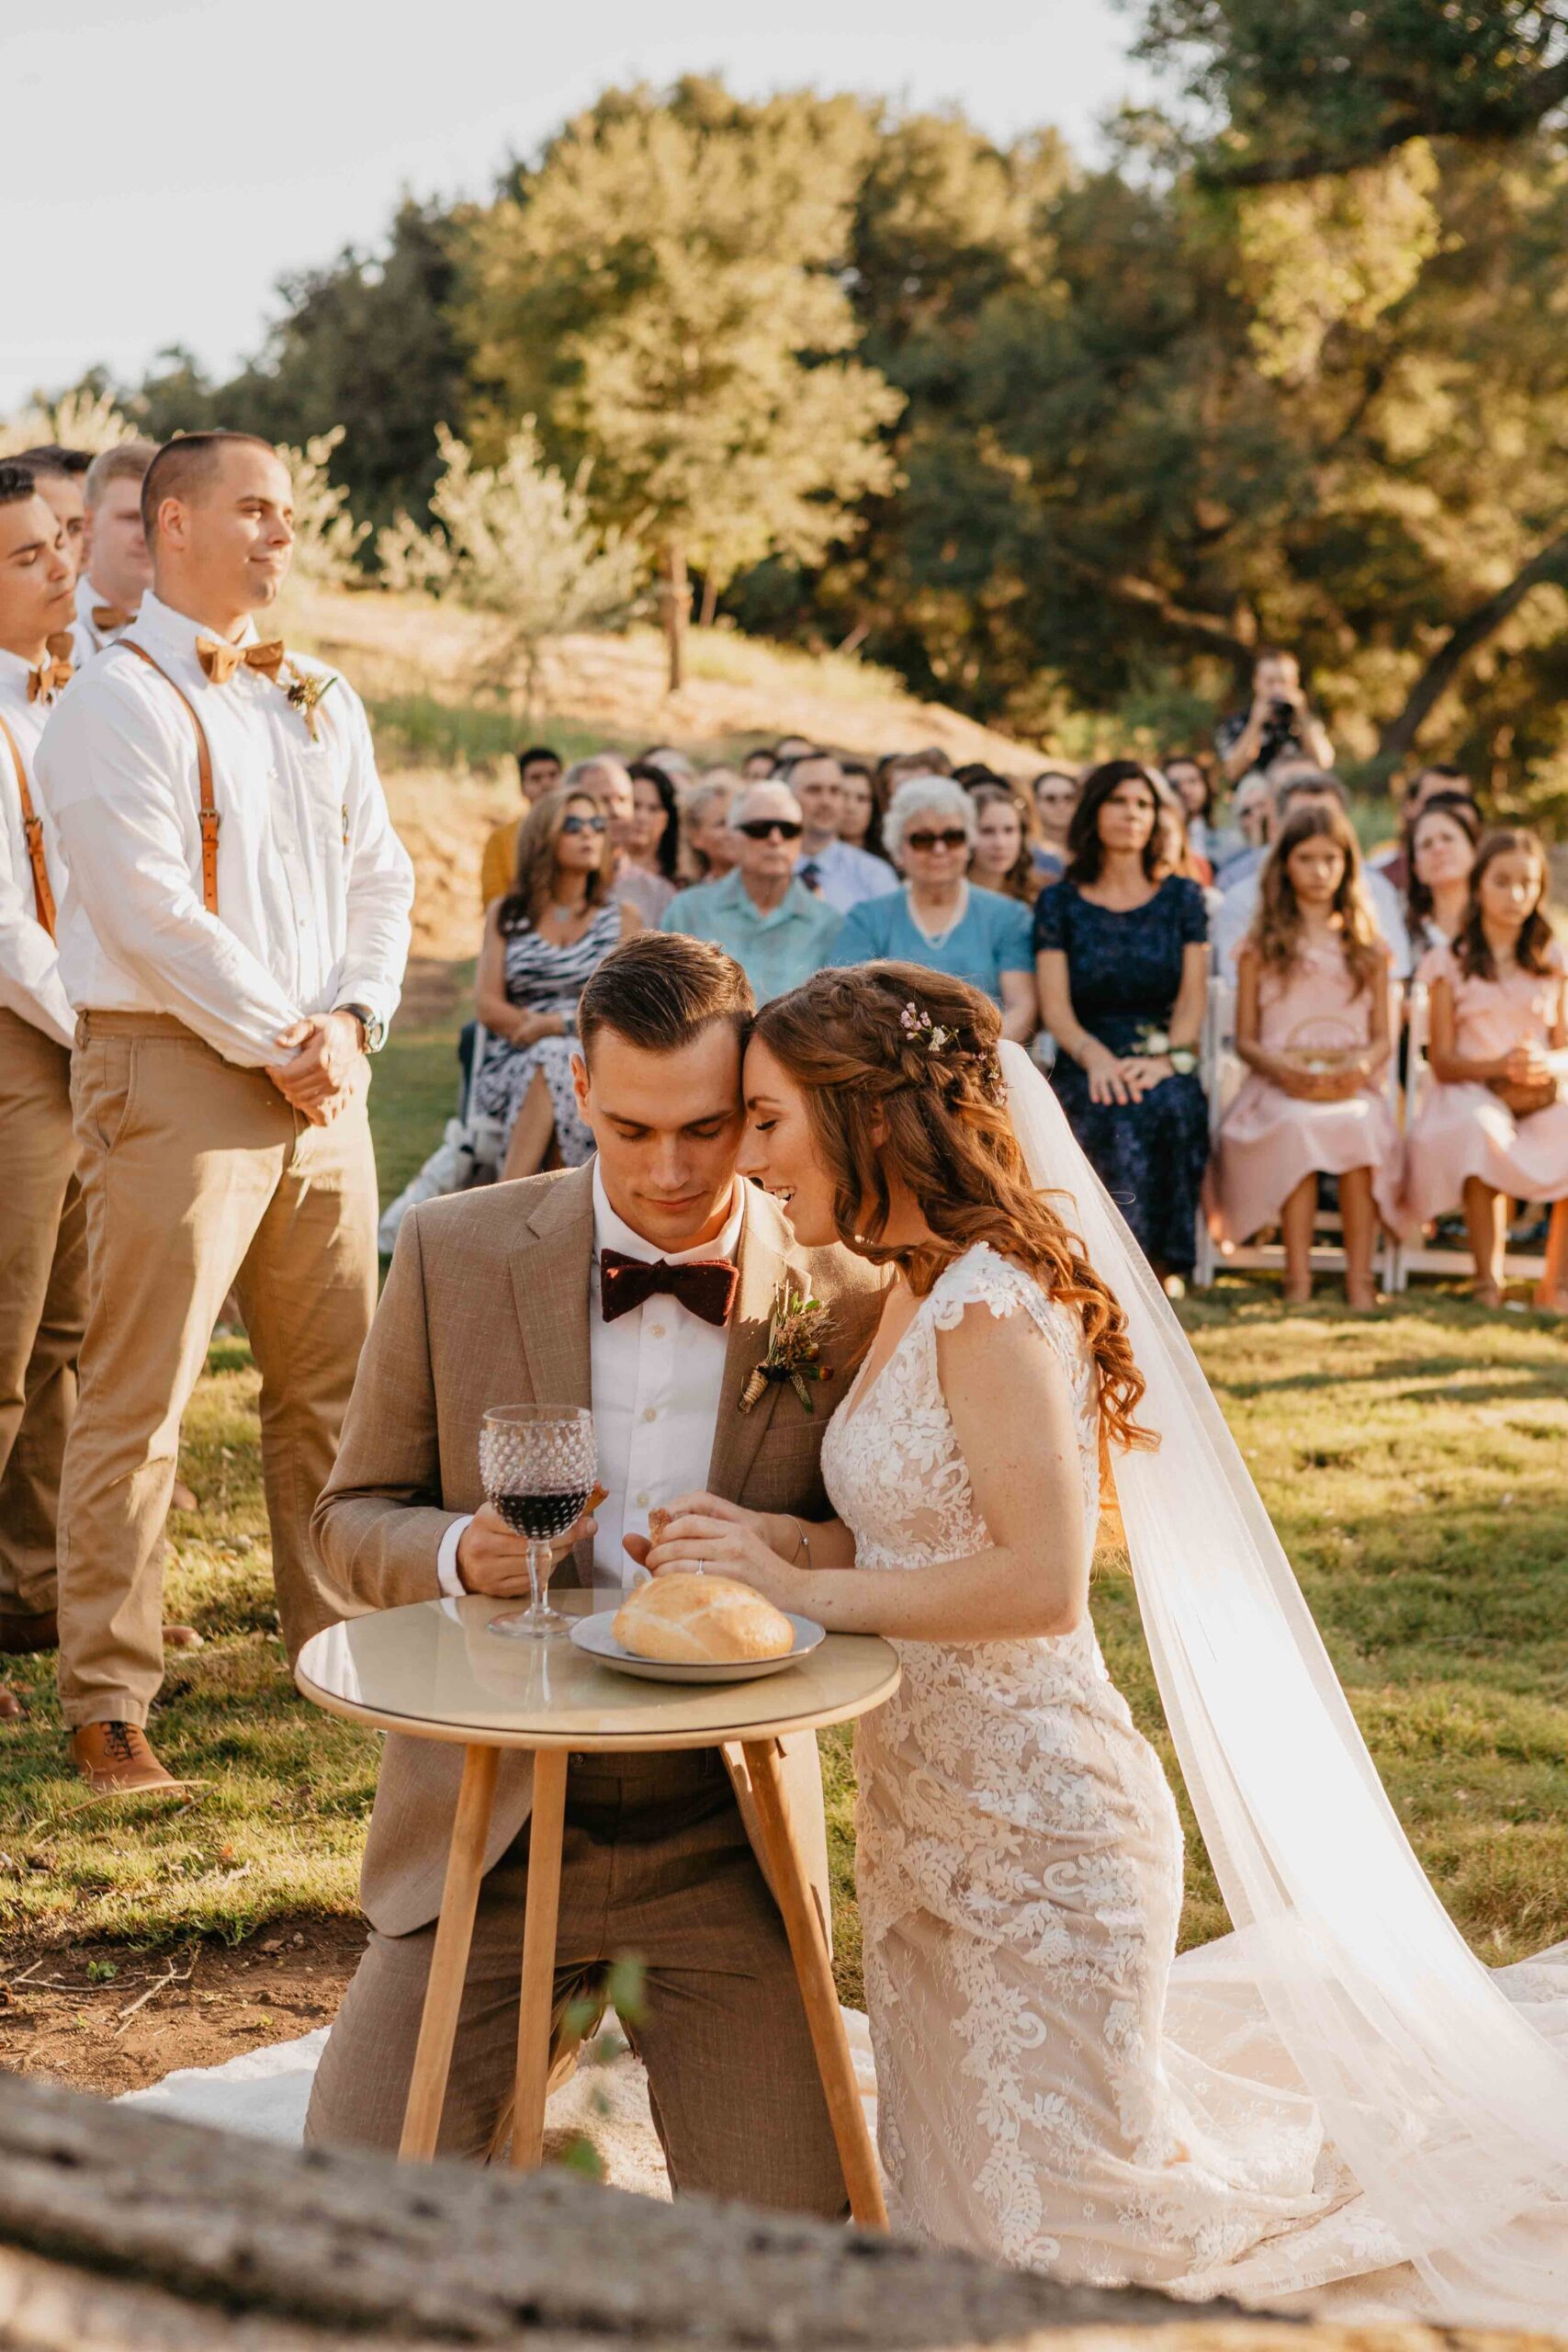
point(704, 1287)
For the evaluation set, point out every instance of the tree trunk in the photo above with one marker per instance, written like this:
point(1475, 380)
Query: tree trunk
point(710, 601)
point(1398, 736)
point(676, 600)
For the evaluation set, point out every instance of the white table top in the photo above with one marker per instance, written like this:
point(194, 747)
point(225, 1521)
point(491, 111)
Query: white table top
point(435, 1670)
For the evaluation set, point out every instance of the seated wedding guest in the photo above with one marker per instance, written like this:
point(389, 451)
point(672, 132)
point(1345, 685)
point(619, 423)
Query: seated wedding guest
point(1189, 779)
point(675, 764)
point(860, 816)
point(554, 927)
point(1001, 860)
point(1238, 850)
point(707, 845)
point(1494, 1126)
point(1312, 1025)
point(539, 771)
point(242, 969)
point(117, 570)
point(940, 917)
point(43, 1241)
point(609, 781)
point(776, 930)
point(1123, 965)
point(896, 768)
point(61, 477)
point(1438, 854)
point(650, 840)
point(756, 766)
point(829, 866)
point(1292, 787)
point(1177, 852)
point(1055, 794)
point(1436, 780)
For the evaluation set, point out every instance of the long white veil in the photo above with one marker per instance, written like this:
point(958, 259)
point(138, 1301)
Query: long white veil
point(1446, 2104)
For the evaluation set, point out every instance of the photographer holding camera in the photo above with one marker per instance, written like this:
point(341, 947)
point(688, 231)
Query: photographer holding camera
point(1277, 723)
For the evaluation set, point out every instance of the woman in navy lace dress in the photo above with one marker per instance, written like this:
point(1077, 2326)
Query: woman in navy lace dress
point(1121, 956)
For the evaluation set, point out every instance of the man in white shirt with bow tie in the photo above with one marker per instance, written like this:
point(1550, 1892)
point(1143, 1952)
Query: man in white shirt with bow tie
point(117, 570)
point(44, 1248)
point(232, 936)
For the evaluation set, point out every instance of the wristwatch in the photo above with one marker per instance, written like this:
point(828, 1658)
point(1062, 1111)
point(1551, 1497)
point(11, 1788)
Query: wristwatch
point(1183, 1061)
point(372, 1032)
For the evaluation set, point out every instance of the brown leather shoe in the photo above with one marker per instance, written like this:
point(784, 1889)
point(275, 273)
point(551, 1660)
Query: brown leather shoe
point(182, 1637)
point(116, 1761)
point(13, 1706)
point(22, 1635)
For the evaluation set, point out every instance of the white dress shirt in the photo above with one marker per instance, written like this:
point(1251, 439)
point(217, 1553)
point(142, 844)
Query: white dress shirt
point(1239, 904)
point(656, 1376)
point(846, 875)
point(29, 965)
point(314, 886)
point(86, 637)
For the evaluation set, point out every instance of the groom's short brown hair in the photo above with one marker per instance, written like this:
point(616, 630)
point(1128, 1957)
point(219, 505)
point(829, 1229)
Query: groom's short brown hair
point(660, 989)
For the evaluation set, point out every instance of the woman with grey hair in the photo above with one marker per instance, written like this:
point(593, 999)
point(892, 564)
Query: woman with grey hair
point(940, 917)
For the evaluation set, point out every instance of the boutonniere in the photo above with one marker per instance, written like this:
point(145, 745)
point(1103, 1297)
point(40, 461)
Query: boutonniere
point(305, 691)
point(795, 1347)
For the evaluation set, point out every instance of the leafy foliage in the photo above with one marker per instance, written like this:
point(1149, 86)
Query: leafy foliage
point(326, 537)
point(84, 418)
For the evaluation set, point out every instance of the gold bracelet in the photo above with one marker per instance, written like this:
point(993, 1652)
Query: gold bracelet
point(805, 1543)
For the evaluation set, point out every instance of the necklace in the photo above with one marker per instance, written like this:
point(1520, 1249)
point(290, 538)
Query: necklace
point(939, 938)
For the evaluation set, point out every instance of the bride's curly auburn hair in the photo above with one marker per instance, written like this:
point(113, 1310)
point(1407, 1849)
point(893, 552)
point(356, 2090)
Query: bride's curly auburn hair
point(877, 1090)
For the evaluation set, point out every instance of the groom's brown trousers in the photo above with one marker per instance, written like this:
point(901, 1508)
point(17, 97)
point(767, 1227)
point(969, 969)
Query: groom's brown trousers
point(655, 1866)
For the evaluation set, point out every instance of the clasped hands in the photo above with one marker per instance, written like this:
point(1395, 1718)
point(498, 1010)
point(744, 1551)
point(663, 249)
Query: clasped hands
point(325, 1068)
point(1123, 1077)
point(1527, 1080)
point(703, 1532)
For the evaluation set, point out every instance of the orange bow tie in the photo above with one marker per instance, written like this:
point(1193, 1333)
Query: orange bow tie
point(54, 671)
point(111, 616)
point(220, 660)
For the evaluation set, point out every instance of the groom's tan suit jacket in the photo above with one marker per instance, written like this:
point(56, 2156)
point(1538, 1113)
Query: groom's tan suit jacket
point(487, 1303)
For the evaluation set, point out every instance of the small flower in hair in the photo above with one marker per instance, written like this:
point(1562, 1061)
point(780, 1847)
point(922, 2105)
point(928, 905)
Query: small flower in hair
point(922, 1030)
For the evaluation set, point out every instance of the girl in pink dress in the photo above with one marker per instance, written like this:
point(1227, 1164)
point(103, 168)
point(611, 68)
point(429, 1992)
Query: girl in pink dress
point(1311, 1026)
point(1494, 1125)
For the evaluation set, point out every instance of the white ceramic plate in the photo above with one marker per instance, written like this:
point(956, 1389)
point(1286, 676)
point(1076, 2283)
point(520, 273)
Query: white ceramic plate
point(595, 1635)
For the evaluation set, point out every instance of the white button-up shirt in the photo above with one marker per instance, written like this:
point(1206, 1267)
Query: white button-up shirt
point(657, 1374)
point(29, 965)
point(846, 875)
point(314, 886)
point(86, 637)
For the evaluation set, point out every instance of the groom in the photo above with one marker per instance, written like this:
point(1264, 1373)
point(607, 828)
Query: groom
point(521, 1294)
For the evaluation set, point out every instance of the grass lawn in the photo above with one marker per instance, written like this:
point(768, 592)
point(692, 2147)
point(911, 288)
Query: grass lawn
point(1413, 1462)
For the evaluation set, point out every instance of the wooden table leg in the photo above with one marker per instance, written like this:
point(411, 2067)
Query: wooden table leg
point(539, 1923)
point(814, 1968)
point(449, 1961)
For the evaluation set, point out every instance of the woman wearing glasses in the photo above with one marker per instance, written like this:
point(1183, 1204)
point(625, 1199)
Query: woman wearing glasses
point(940, 917)
point(556, 924)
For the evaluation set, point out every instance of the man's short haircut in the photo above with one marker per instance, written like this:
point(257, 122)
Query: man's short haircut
point(660, 989)
point(185, 466)
point(53, 458)
point(1273, 653)
point(576, 776)
point(532, 751)
point(1311, 780)
point(16, 482)
point(786, 771)
point(737, 815)
point(126, 461)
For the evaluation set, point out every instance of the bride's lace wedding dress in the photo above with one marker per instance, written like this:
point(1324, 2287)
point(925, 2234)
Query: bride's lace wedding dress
point(1051, 2090)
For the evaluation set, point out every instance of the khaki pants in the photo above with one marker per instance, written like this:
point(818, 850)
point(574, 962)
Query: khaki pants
point(198, 1177)
point(43, 1291)
point(655, 1866)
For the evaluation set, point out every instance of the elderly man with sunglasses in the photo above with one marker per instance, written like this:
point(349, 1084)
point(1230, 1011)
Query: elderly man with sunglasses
point(775, 929)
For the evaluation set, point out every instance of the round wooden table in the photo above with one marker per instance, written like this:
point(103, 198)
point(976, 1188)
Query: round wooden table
point(435, 1671)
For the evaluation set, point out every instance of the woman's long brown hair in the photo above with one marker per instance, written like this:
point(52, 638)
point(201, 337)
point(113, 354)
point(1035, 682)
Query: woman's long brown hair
point(535, 879)
point(878, 1097)
point(1532, 949)
point(1276, 930)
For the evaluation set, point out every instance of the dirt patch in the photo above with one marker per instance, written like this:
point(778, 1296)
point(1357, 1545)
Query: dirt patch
point(105, 2017)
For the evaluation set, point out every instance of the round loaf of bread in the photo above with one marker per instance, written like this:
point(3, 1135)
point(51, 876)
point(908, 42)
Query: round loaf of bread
point(686, 1619)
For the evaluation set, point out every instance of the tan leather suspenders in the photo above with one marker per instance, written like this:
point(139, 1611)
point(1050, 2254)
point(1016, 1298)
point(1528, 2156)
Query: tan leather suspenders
point(32, 827)
point(208, 816)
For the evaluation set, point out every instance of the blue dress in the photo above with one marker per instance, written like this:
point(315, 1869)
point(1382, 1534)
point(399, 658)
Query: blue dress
point(1123, 972)
point(993, 938)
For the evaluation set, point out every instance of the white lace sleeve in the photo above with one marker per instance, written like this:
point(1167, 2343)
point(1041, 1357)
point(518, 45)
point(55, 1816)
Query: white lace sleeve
point(983, 1277)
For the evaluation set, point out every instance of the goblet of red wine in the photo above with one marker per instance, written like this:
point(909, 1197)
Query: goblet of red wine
point(538, 1463)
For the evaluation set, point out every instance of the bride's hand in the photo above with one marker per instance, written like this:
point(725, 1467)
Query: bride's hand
point(725, 1547)
point(777, 1530)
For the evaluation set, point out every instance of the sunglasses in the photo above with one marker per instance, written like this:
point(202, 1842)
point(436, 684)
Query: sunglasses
point(583, 824)
point(955, 838)
point(763, 829)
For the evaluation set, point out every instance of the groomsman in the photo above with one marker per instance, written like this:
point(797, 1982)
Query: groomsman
point(233, 936)
point(43, 1254)
point(117, 570)
point(60, 475)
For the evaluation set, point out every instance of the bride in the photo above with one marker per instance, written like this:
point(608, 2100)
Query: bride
point(1337, 2095)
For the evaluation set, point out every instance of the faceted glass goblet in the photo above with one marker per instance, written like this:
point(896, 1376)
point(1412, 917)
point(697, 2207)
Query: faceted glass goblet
point(538, 1463)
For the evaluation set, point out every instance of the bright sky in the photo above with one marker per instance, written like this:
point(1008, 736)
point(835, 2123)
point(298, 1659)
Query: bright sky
point(164, 162)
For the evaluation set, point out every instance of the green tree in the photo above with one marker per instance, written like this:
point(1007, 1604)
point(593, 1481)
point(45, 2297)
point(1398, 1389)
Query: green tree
point(664, 293)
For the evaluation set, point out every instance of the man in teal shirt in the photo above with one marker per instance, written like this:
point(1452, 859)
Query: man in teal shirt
point(770, 923)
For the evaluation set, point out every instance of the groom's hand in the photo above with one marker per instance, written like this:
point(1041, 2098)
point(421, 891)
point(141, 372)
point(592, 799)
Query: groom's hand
point(492, 1560)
